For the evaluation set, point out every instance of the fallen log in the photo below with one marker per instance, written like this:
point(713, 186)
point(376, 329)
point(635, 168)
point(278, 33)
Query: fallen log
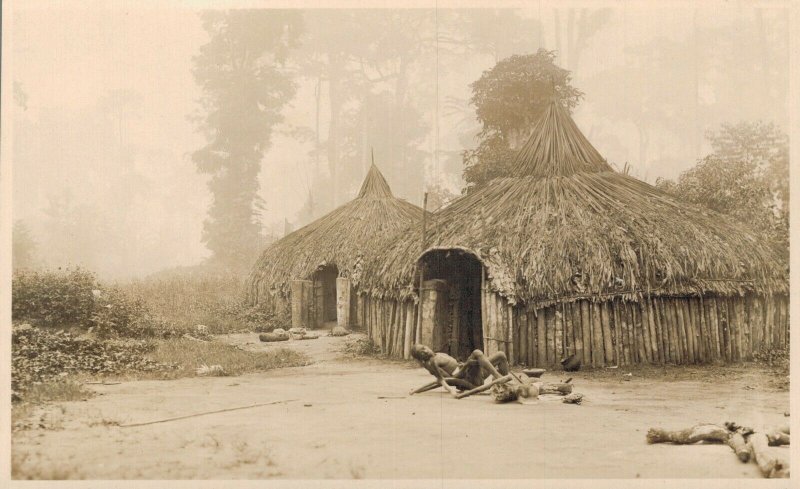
point(271, 337)
point(771, 465)
point(561, 389)
point(740, 447)
point(777, 438)
point(703, 432)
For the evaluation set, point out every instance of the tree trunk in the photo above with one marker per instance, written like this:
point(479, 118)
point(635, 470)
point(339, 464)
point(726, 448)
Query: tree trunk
point(334, 75)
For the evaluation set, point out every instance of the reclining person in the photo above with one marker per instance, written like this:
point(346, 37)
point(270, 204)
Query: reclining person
point(464, 376)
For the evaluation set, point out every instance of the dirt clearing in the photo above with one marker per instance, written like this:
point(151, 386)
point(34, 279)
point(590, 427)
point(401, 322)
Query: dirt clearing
point(334, 425)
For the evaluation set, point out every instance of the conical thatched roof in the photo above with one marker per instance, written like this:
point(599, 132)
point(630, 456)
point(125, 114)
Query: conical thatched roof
point(567, 226)
point(338, 238)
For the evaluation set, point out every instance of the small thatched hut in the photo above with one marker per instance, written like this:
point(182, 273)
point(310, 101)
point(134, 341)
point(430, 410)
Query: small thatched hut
point(308, 269)
point(568, 256)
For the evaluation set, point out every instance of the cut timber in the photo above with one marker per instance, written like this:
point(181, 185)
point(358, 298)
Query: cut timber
point(740, 447)
point(778, 438)
point(702, 432)
point(271, 337)
point(555, 388)
point(772, 466)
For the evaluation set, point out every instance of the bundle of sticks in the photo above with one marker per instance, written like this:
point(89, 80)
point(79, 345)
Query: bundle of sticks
point(746, 443)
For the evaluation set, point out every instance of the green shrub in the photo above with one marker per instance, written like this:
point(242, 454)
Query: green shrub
point(361, 347)
point(203, 295)
point(73, 299)
point(53, 298)
point(40, 355)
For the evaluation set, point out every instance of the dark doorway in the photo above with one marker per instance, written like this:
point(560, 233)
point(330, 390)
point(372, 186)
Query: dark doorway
point(325, 294)
point(462, 271)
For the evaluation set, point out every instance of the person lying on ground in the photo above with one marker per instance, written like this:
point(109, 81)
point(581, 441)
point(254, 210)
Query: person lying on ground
point(468, 375)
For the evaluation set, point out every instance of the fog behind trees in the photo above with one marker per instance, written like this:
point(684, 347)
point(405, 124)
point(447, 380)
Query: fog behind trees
point(106, 116)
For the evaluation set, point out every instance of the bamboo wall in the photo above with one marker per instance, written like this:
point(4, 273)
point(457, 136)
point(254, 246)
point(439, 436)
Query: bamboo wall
point(678, 330)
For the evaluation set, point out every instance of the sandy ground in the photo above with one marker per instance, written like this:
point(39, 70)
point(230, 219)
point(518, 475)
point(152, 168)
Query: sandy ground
point(334, 424)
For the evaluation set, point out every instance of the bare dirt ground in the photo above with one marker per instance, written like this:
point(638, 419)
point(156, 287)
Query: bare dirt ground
point(335, 425)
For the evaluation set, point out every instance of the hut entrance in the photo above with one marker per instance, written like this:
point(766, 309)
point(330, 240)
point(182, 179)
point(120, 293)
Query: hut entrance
point(325, 294)
point(451, 301)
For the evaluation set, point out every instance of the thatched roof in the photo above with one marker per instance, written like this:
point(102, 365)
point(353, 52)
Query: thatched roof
point(338, 238)
point(567, 226)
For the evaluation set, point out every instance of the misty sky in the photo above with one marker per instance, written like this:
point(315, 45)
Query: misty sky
point(68, 61)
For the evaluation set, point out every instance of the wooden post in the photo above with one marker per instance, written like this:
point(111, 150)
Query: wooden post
point(542, 338)
point(508, 316)
point(695, 329)
point(569, 338)
point(722, 313)
point(549, 329)
point(744, 329)
point(575, 309)
point(619, 344)
point(756, 315)
point(769, 322)
point(558, 323)
point(586, 327)
point(408, 333)
point(532, 333)
point(483, 307)
point(622, 320)
point(300, 304)
point(608, 343)
point(522, 335)
point(683, 337)
point(598, 356)
point(343, 302)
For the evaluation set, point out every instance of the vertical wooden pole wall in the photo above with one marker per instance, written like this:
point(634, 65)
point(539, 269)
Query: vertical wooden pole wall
point(656, 330)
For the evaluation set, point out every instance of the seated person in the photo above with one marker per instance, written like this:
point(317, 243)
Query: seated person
point(465, 376)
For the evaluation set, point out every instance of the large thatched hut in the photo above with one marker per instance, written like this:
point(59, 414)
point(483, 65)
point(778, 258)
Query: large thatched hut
point(309, 269)
point(568, 256)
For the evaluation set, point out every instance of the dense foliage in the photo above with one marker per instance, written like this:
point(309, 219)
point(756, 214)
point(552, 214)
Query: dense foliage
point(73, 298)
point(203, 294)
point(41, 355)
point(508, 99)
point(54, 298)
point(746, 176)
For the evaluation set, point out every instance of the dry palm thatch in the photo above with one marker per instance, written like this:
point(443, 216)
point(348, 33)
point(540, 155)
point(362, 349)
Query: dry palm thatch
point(567, 227)
point(337, 238)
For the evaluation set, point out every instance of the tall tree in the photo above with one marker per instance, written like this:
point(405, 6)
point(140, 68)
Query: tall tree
point(507, 99)
point(361, 64)
point(573, 31)
point(246, 83)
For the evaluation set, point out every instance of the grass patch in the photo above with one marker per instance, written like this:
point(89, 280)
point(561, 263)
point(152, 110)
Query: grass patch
point(361, 347)
point(57, 391)
point(188, 355)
